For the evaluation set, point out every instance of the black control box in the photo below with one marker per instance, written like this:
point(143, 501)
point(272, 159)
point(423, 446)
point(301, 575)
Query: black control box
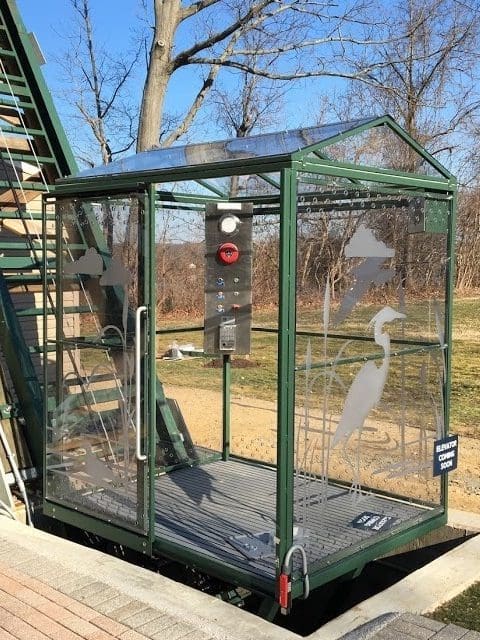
point(228, 277)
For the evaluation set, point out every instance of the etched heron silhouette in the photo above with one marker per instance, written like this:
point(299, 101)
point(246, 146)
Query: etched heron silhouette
point(366, 390)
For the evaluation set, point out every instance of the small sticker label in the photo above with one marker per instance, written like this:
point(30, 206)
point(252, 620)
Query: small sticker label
point(369, 521)
point(445, 455)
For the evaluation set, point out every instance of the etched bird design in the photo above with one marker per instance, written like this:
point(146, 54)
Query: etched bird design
point(366, 389)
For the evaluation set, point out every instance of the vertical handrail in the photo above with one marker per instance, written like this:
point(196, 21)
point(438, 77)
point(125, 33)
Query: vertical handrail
point(138, 389)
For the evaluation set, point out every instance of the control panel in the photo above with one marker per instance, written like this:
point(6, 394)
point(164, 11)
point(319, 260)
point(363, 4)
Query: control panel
point(228, 277)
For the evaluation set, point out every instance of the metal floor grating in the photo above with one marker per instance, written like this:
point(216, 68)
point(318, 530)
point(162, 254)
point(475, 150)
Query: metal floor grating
point(205, 508)
point(219, 509)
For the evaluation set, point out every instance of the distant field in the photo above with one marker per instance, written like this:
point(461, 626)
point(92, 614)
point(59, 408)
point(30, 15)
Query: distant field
point(465, 410)
point(258, 380)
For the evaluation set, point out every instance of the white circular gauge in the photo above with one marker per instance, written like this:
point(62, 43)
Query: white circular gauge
point(228, 223)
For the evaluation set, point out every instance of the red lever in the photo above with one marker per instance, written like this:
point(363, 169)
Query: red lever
point(283, 590)
point(228, 253)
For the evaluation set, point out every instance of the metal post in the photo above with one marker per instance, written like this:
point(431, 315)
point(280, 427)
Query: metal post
point(46, 362)
point(450, 285)
point(151, 302)
point(226, 383)
point(286, 364)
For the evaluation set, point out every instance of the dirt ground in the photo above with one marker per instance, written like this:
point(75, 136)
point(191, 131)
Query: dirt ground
point(253, 435)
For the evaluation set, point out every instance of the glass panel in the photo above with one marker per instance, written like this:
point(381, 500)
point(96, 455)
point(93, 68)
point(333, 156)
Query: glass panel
point(225, 399)
point(91, 441)
point(382, 148)
point(369, 362)
point(254, 376)
point(263, 145)
point(189, 378)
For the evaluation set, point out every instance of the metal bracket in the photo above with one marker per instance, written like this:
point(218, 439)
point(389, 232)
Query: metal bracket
point(428, 216)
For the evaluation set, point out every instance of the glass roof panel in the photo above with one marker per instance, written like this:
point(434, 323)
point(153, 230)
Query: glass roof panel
point(383, 148)
point(259, 146)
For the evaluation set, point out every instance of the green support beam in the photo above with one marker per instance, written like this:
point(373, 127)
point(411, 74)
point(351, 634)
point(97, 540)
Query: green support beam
point(286, 364)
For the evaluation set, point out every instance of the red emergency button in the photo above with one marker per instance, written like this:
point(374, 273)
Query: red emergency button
point(228, 253)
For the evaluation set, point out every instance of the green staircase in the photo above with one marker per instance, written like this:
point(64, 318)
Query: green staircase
point(34, 152)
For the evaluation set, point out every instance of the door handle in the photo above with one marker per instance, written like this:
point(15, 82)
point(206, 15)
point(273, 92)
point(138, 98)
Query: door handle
point(138, 388)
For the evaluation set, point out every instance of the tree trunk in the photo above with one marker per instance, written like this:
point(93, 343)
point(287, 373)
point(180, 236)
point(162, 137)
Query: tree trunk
point(160, 68)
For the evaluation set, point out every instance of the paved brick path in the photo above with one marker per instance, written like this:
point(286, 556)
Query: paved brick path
point(409, 626)
point(40, 600)
point(32, 610)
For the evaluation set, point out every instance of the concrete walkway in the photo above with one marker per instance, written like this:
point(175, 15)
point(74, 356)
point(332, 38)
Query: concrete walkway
point(54, 589)
point(407, 626)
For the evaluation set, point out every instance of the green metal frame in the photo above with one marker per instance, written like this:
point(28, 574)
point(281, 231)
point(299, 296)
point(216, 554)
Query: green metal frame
point(124, 182)
point(353, 560)
point(286, 365)
point(450, 276)
point(226, 384)
point(150, 302)
point(291, 169)
point(389, 122)
point(99, 527)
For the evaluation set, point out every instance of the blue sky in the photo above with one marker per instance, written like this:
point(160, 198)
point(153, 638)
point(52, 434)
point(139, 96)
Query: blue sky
point(50, 19)
point(49, 25)
point(112, 28)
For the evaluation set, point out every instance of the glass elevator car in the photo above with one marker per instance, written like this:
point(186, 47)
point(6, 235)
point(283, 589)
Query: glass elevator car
point(249, 352)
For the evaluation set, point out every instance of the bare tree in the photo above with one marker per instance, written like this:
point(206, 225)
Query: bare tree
point(468, 241)
point(250, 102)
point(96, 83)
point(252, 105)
point(308, 37)
point(424, 77)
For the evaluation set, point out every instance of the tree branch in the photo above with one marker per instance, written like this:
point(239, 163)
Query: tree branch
point(362, 74)
point(304, 44)
point(121, 82)
point(201, 95)
point(196, 7)
point(184, 56)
